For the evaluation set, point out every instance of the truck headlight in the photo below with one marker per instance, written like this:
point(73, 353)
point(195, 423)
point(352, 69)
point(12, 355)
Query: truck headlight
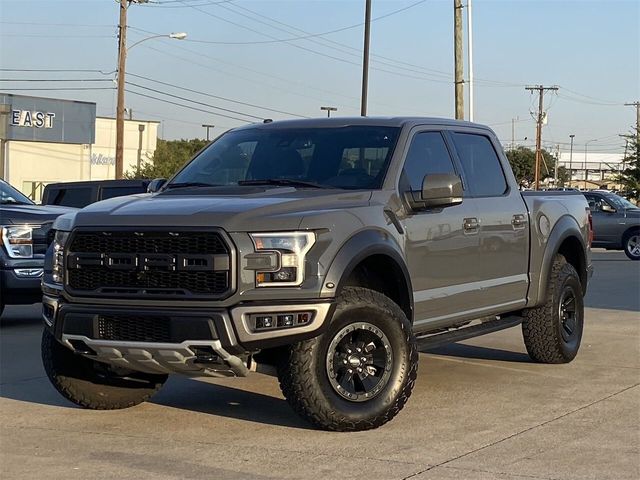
point(18, 240)
point(279, 258)
point(59, 241)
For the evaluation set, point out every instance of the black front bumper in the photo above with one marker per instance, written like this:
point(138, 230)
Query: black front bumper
point(18, 289)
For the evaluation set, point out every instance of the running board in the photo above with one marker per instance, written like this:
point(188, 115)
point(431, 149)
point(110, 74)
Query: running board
point(439, 339)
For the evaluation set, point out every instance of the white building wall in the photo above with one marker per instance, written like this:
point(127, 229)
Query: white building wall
point(31, 165)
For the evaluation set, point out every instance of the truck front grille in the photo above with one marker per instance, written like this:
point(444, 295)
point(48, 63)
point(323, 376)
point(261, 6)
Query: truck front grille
point(149, 263)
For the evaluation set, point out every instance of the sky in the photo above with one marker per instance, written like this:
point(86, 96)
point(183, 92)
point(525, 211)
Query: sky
point(245, 60)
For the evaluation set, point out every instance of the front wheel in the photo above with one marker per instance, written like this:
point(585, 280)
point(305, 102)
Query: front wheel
point(360, 373)
point(553, 332)
point(93, 384)
point(631, 244)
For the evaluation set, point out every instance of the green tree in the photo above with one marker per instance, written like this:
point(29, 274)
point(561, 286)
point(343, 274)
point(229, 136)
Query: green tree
point(169, 156)
point(629, 177)
point(523, 163)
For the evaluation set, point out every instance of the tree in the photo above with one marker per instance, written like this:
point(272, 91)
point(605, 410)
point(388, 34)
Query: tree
point(629, 177)
point(169, 156)
point(523, 163)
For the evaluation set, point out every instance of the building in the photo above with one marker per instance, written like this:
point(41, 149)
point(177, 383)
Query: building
point(595, 170)
point(44, 140)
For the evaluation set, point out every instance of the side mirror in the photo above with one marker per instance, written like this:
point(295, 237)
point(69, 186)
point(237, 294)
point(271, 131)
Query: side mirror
point(439, 190)
point(605, 207)
point(156, 184)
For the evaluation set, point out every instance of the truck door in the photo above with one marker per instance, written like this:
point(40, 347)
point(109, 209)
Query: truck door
point(503, 260)
point(441, 244)
point(606, 220)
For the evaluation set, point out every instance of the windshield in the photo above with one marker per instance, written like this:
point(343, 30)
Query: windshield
point(9, 195)
point(354, 157)
point(619, 202)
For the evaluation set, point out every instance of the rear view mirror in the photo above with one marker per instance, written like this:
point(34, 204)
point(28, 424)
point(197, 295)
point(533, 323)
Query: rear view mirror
point(605, 207)
point(156, 184)
point(438, 190)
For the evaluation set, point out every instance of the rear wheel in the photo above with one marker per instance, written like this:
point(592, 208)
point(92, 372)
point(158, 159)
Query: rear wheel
point(553, 332)
point(93, 384)
point(360, 373)
point(631, 244)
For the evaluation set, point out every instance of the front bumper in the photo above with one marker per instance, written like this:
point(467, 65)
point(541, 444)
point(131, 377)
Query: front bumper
point(21, 283)
point(192, 341)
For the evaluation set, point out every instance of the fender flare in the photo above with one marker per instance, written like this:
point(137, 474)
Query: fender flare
point(358, 248)
point(564, 228)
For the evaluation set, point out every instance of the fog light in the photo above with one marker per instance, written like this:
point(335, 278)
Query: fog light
point(264, 322)
point(285, 321)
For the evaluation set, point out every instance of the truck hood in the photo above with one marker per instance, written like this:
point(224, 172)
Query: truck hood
point(31, 214)
point(235, 210)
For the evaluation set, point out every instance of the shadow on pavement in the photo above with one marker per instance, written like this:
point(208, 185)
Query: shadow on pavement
point(224, 401)
point(485, 353)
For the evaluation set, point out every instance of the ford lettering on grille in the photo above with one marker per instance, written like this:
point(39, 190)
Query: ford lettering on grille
point(171, 264)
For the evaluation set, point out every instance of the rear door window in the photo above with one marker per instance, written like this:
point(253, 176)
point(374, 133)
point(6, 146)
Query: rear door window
point(73, 197)
point(480, 164)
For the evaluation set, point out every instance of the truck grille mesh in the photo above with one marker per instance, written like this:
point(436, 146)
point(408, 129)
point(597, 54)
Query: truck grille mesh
point(138, 281)
point(134, 329)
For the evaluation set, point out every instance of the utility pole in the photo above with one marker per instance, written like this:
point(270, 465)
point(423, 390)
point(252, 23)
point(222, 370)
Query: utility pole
point(365, 60)
point(207, 126)
point(555, 173)
point(122, 58)
point(572, 136)
point(457, 55)
point(637, 105)
point(470, 57)
point(540, 89)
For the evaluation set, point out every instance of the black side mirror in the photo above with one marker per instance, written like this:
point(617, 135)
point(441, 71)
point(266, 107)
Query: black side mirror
point(156, 184)
point(439, 190)
point(605, 207)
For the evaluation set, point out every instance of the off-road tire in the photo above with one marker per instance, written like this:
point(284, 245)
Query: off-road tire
point(633, 235)
point(542, 327)
point(304, 377)
point(91, 384)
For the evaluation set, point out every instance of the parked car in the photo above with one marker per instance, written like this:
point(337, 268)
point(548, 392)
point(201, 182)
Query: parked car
point(81, 194)
point(24, 238)
point(332, 248)
point(616, 222)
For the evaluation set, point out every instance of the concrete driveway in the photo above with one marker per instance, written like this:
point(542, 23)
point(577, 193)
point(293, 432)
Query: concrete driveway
point(480, 410)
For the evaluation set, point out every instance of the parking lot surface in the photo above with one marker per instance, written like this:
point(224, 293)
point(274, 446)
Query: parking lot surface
point(480, 410)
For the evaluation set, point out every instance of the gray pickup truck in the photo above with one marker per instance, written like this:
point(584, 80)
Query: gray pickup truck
point(332, 249)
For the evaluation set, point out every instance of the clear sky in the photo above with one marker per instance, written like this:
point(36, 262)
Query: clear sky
point(590, 49)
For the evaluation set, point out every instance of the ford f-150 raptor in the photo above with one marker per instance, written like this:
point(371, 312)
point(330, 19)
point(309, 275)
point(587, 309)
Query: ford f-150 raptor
point(333, 249)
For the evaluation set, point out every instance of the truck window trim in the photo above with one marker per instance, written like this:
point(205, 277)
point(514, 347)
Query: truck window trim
point(501, 160)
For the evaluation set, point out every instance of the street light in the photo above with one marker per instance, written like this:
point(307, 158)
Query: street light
point(586, 170)
point(122, 57)
point(572, 136)
point(329, 110)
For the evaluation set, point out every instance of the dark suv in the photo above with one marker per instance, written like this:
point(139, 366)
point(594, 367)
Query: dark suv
point(616, 222)
point(24, 231)
point(81, 194)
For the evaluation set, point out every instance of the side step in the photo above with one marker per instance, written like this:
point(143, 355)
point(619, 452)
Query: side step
point(439, 339)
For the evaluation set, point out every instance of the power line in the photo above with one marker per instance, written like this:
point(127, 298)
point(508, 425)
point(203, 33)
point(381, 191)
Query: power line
point(55, 80)
point(195, 101)
point(43, 89)
point(186, 106)
point(56, 70)
point(216, 96)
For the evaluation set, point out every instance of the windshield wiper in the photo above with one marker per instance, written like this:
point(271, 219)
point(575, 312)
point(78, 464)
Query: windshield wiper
point(171, 186)
point(285, 182)
point(13, 202)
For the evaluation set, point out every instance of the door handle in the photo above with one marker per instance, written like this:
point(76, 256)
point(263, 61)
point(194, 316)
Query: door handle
point(518, 221)
point(470, 225)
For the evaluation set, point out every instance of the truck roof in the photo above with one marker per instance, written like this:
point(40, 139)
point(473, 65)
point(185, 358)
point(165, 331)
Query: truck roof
point(373, 121)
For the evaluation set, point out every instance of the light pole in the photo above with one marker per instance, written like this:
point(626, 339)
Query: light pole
point(208, 127)
point(122, 58)
point(365, 59)
point(572, 136)
point(586, 170)
point(329, 110)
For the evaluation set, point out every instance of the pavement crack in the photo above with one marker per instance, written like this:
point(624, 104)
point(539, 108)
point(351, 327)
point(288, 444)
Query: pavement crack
point(528, 429)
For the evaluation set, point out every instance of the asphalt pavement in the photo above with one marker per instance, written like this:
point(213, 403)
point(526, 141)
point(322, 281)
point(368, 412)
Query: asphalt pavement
point(480, 410)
